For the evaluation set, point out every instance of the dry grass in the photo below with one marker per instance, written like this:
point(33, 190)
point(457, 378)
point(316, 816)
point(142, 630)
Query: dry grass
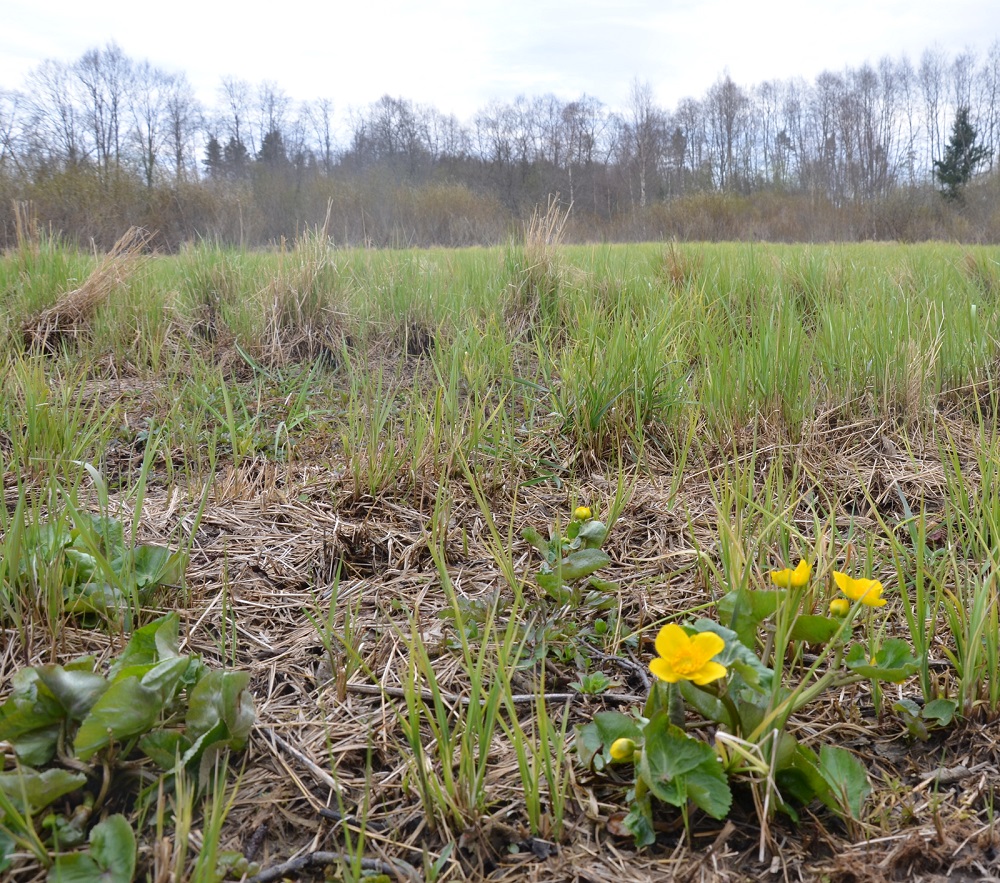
point(328, 751)
point(67, 318)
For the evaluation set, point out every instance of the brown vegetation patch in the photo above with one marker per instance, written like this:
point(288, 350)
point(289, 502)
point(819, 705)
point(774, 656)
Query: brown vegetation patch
point(67, 318)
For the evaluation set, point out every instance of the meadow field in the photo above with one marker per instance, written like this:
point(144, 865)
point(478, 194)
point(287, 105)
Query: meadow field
point(346, 563)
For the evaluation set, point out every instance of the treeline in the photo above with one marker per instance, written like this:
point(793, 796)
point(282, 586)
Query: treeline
point(105, 142)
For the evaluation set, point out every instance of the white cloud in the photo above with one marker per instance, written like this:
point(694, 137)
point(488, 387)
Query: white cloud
point(458, 55)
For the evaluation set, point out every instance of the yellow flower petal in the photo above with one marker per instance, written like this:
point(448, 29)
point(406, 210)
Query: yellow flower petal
point(704, 646)
point(583, 513)
point(670, 640)
point(792, 579)
point(710, 671)
point(661, 668)
point(867, 591)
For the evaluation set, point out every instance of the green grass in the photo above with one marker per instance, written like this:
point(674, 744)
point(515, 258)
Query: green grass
point(348, 444)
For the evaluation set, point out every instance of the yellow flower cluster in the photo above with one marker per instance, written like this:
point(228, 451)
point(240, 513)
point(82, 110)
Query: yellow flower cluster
point(867, 591)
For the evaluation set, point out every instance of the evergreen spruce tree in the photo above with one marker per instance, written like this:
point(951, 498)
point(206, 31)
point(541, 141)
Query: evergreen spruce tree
point(961, 156)
point(213, 158)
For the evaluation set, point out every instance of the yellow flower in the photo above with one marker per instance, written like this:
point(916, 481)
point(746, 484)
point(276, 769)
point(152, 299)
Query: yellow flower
point(840, 607)
point(685, 657)
point(867, 591)
point(582, 513)
point(792, 579)
point(622, 749)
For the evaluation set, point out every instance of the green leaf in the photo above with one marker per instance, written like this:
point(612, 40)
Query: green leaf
point(165, 747)
point(707, 705)
point(738, 656)
point(640, 822)
point(7, 847)
point(80, 566)
point(583, 563)
point(909, 712)
point(31, 719)
point(798, 777)
point(150, 644)
point(220, 704)
point(38, 747)
point(593, 533)
point(847, 778)
point(99, 532)
point(153, 565)
point(893, 661)
point(736, 612)
point(165, 677)
point(814, 628)
point(940, 711)
point(602, 585)
point(677, 767)
point(31, 706)
point(110, 859)
point(126, 709)
point(39, 789)
point(765, 602)
point(78, 867)
point(552, 586)
point(76, 691)
point(593, 740)
point(99, 598)
point(532, 536)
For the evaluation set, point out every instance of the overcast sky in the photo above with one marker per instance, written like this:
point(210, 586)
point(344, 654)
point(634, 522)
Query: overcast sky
point(458, 55)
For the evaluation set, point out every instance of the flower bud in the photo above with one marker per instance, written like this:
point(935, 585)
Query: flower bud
point(582, 513)
point(622, 749)
point(840, 607)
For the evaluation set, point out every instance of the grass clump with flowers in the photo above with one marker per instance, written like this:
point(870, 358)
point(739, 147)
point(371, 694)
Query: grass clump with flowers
point(689, 574)
point(716, 672)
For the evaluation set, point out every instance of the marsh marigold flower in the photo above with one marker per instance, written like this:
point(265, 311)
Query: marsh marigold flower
point(684, 657)
point(840, 607)
point(622, 749)
point(867, 591)
point(792, 579)
point(582, 513)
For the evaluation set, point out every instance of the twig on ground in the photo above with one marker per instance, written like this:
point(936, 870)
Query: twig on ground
point(516, 699)
point(399, 869)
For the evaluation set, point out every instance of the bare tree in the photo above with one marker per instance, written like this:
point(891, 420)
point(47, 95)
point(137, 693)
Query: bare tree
point(584, 123)
point(11, 122)
point(908, 99)
point(389, 131)
point(236, 115)
point(963, 74)
point(270, 114)
point(728, 118)
point(149, 99)
point(643, 135)
point(56, 131)
point(183, 118)
point(989, 90)
point(931, 76)
point(446, 137)
point(319, 116)
point(105, 76)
